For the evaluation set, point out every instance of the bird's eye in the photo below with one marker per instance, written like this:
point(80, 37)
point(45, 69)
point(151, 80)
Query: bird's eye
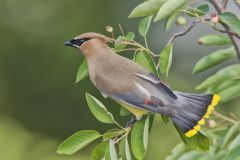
point(79, 42)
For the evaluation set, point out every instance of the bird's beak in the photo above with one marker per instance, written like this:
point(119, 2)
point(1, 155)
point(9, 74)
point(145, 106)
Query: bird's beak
point(69, 43)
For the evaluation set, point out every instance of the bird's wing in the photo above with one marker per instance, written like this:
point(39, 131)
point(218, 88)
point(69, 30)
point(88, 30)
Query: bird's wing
point(151, 78)
point(135, 93)
point(131, 99)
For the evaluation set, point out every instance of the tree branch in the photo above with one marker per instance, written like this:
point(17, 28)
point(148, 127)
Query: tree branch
point(235, 40)
point(184, 32)
point(224, 31)
point(224, 5)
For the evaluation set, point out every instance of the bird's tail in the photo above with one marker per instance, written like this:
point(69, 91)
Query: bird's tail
point(192, 110)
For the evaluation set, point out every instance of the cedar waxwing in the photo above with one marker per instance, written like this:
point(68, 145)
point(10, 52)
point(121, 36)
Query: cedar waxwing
point(138, 90)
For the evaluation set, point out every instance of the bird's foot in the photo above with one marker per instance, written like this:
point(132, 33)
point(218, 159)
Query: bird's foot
point(131, 122)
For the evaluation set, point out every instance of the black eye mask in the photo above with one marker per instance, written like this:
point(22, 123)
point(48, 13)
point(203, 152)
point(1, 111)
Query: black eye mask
point(79, 42)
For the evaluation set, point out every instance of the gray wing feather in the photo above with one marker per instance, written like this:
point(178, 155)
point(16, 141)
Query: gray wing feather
point(153, 79)
point(157, 106)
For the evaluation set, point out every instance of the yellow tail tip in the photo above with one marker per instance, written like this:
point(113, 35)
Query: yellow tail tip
point(215, 100)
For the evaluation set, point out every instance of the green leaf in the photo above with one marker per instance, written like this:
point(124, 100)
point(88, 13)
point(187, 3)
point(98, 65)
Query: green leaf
point(211, 154)
point(198, 142)
point(143, 58)
point(232, 155)
point(147, 8)
point(219, 155)
point(214, 59)
point(169, 7)
point(224, 74)
point(213, 39)
point(146, 132)
point(111, 133)
point(99, 151)
point(224, 85)
point(151, 120)
point(130, 36)
point(165, 59)
point(99, 110)
point(165, 118)
point(191, 155)
point(203, 9)
point(170, 20)
point(144, 25)
point(77, 141)
point(200, 11)
point(127, 150)
point(231, 134)
point(118, 44)
point(177, 151)
point(82, 71)
point(124, 112)
point(235, 143)
point(124, 149)
point(107, 153)
point(112, 150)
point(139, 138)
point(230, 93)
point(231, 20)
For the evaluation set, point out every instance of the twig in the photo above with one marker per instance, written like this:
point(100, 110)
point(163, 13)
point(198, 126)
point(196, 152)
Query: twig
point(119, 25)
point(136, 44)
point(224, 31)
point(184, 32)
point(235, 40)
point(134, 55)
point(234, 116)
point(213, 25)
point(127, 131)
point(215, 5)
point(146, 49)
point(128, 49)
point(112, 35)
point(224, 117)
point(224, 5)
point(118, 135)
point(217, 129)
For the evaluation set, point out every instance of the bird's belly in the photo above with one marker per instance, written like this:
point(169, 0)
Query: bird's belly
point(138, 112)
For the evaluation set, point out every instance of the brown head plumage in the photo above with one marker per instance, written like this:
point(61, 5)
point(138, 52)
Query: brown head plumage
point(88, 42)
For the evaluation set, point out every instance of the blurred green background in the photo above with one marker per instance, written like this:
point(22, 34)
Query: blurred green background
point(40, 105)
